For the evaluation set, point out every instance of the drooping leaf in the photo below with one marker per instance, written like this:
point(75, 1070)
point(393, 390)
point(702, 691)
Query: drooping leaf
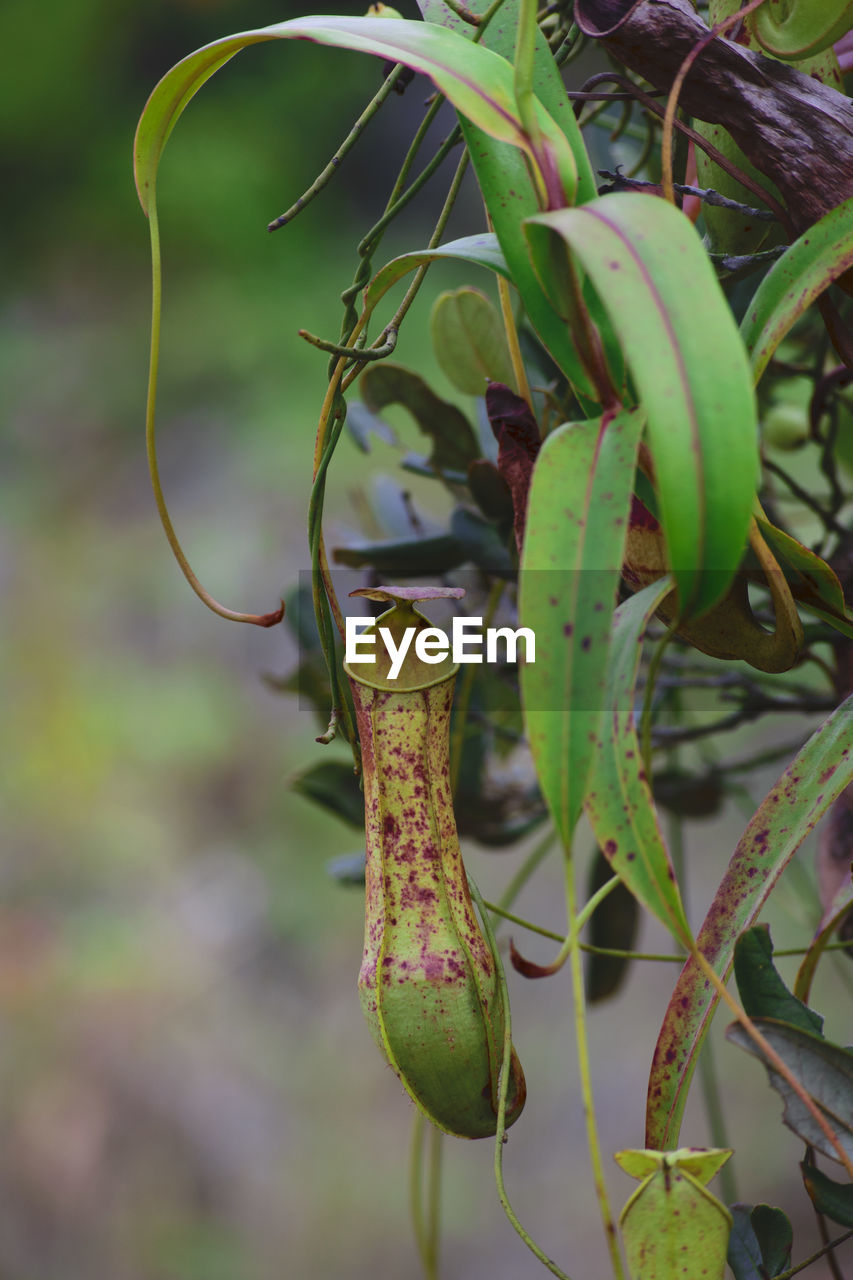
point(792, 808)
point(476, 80)
point(762, 992)
point(569, 576)
point(333, 786)
point(689, 367)
point(819, 256)
point(469, 340)
point(826, 1072)
point(510, 195)
point(673, 1227)
point(814, 584)
point(831, 1198)
point(760, 1243)
point(619, 802)
point(454, 444)
point(483, 250)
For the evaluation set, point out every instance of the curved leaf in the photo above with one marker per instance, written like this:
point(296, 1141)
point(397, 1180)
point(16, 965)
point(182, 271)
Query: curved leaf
point(483, 250)
point(688, 365)
point(509, 192)
point(795, 31)
point(477, 81)
point(576, 519)
point(826, 1072)
point(792, 808)
point(619, 801)
point(819, 256)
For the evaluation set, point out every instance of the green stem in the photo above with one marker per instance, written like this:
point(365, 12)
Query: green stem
point(326, 175)
point(497, 910)
point(433, 1224)
point(586, 1075)
point(814, 1257)
point(503, 1089)
point(259, 620)
point(416, 1155)
point(716, 1116)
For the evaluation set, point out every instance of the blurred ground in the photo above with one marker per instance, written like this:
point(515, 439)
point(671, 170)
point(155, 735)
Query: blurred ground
point(187, 1090)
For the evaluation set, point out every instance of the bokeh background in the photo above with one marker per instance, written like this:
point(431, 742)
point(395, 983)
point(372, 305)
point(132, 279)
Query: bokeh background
point(187, 1089)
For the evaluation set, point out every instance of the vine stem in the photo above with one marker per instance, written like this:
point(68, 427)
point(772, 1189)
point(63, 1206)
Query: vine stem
point(426, 1228)
point(326, 175)
point(569, 943)
point(258, 620)
point(503, 1089)
point(579, 1001)
point(672, 101)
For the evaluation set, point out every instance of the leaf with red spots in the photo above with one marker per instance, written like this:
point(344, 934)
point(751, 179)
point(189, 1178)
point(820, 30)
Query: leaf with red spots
point(576, 520)
point(689, 367)
point(814, 779)
point(619, 801)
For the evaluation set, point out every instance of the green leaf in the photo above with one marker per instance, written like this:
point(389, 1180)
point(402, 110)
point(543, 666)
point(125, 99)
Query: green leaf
point(793, 807)
point(333, 786)
point(576, 521)
point(477, 81)
point(826, 1072)
point(833, 1199)
point(483, 250)
point(760, 1243)
point(814, 584)
point(509, 192)
point(673, 1227)
point(469, 341)
point(406, 557)
point(799, 30)
point(619, 802)
point(763, 994)
point(454, 444)
point(744, 1251)
point(792, 284)
point(775, 1237)
point(689, 368)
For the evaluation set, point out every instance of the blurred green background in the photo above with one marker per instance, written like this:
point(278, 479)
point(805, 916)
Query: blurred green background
point(187, 1090)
